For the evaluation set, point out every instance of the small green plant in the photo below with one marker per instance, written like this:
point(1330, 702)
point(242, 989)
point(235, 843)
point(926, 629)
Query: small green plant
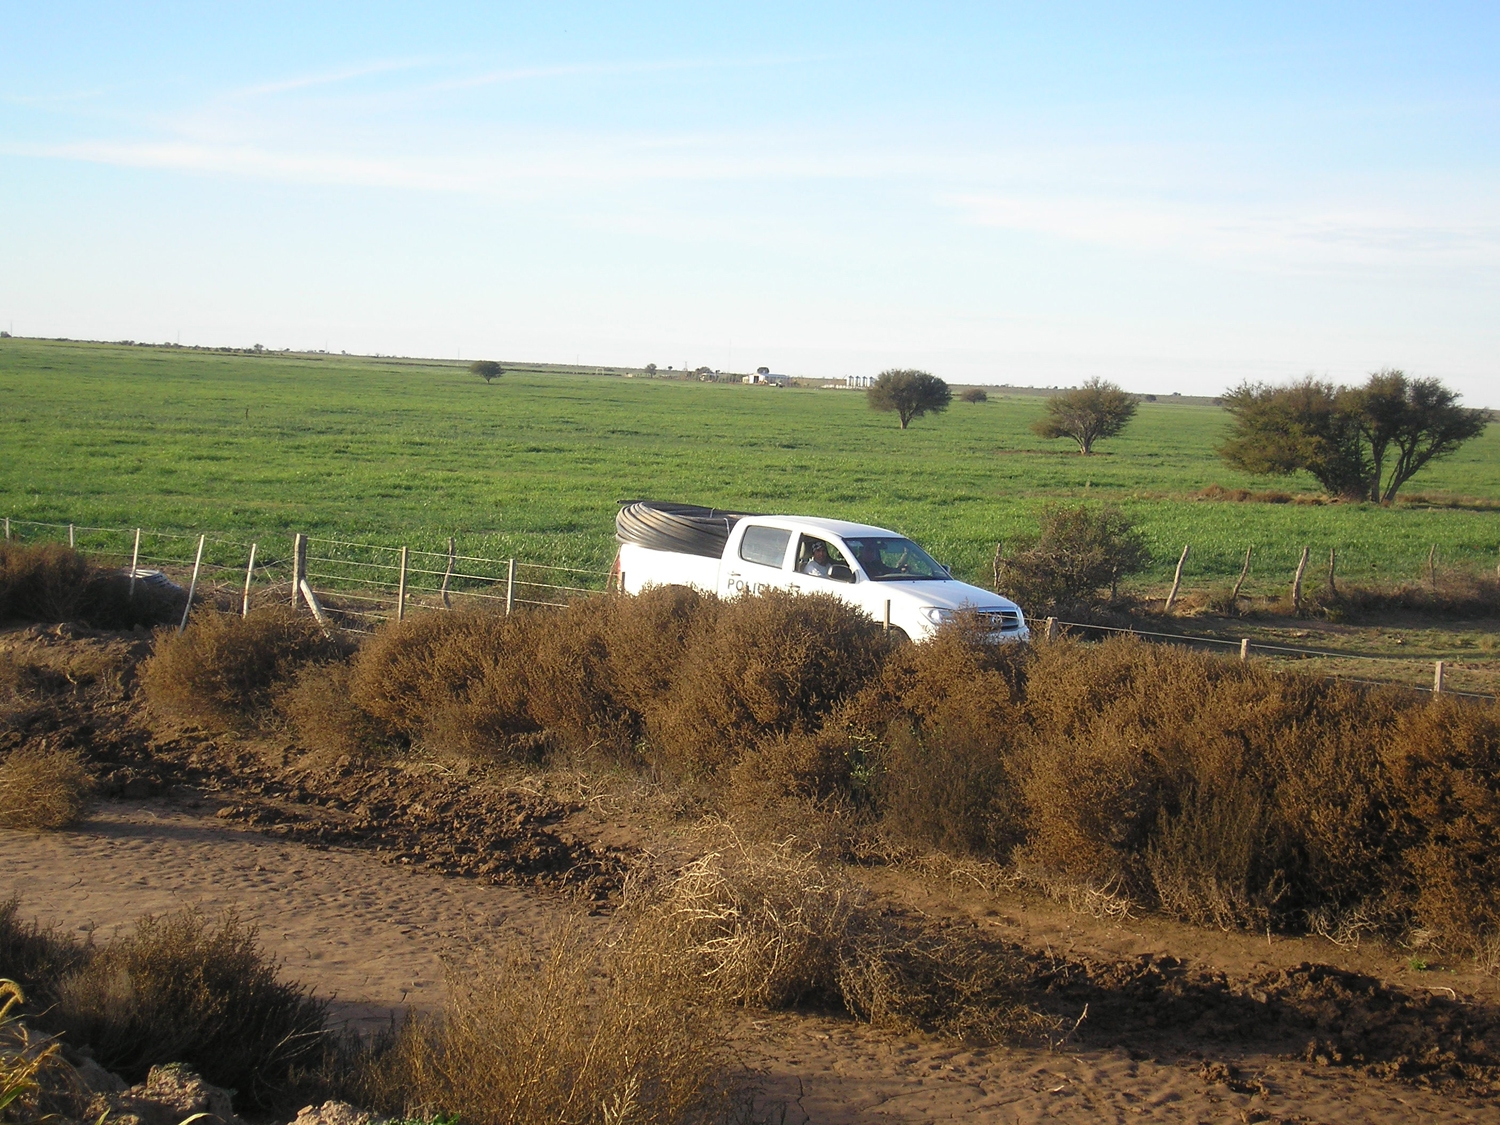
point(22, 1058)
point(1417, 964)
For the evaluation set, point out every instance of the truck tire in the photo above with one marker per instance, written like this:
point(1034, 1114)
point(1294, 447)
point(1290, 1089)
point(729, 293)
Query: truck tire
point(686, 529)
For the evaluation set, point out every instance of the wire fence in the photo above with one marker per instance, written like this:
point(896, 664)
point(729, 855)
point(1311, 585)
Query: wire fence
point(1380, 670)
point(357, 586)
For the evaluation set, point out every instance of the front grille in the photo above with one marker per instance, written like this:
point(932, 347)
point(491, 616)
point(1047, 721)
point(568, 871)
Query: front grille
point(1005, 620)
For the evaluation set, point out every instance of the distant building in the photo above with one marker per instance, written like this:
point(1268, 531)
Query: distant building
point(859, 380)
point(764, 378)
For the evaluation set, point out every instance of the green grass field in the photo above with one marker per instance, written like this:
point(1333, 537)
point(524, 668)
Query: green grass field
point(395, 451)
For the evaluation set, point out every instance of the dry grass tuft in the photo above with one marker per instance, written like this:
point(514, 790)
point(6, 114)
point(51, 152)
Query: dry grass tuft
point(763, 925)
point(182, 989)
point(42, 788)
point(947, 981)
point(590, 1031)
point(36, 957)
point(767, 926)
point(224, 671)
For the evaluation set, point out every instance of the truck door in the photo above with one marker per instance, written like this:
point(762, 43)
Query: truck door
point(759, 561)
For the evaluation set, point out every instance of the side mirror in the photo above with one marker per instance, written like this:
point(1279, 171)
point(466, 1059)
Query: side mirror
point(838, 572)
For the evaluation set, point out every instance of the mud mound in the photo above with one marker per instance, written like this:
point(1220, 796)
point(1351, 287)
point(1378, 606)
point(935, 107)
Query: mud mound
point(475, 830)
point(1319, 1013)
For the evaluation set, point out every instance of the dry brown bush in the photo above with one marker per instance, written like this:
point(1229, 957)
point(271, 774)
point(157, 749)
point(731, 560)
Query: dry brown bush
point(948, 717)
point(50, 582)
point(43, 582)
point(44, 788)
point(1217, 790)
point(569, 684)
point(1443, 768)
point(329, 724)
point(224, 671)
point(765, 666)
point(591, 1031)
point(182, 989)
point(456, 682)
point(1233, 795)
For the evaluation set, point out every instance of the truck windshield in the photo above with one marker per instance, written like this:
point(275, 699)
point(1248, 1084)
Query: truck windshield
point(895, 560)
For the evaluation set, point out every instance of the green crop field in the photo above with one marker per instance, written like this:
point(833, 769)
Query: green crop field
point(399, 451)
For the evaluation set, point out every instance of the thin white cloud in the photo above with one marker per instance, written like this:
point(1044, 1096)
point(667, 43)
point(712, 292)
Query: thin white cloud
point(1317, 235)
point(330, 78)
point(574, 70)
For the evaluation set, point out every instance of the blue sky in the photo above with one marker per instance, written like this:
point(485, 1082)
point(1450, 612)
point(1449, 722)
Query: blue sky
point(1178, 197)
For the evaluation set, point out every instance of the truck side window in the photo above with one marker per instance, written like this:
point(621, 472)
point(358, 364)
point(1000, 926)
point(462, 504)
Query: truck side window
point(765, 545)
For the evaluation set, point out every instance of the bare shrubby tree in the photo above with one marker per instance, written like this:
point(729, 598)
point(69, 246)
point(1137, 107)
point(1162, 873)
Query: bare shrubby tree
point(909, 393)
point(1361, 443)
point(1094, 411)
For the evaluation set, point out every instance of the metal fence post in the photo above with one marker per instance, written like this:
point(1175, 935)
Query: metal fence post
point(193, 585)
point(249, 574)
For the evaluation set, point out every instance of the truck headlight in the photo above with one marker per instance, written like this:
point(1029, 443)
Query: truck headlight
point(937, 614)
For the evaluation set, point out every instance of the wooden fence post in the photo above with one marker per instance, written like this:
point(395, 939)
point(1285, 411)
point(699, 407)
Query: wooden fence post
point(1297, 581)
point(1176, 582)
point(1244, 649)
point(7, 529)
point(249, 574)
point(1333, 590)
point(299, 565)
point(1051, 633)
point(448, 574)
point(510, 585)
point(995, 568)
point(193, 585)
point(1234, 595)
point(1432, 568)
point(1437, 678)
point(306, 590)
point(401, 589)
point(73, 543)
point(135, 560)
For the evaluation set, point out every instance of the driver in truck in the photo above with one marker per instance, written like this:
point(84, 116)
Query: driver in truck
point(818, 564)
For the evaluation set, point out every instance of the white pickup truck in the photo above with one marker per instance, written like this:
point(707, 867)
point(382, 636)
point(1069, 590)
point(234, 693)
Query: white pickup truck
point(731, 553)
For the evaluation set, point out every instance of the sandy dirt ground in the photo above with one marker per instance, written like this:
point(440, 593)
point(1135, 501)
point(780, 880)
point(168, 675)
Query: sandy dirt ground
point(371, 935)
